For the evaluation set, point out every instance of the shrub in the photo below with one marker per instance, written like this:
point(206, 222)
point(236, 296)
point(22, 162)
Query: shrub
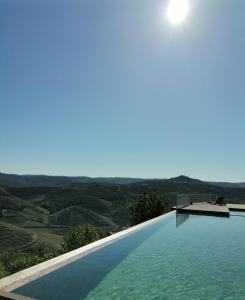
point(27, 261)
point(6, 258)
point(146, 207)
point(80, 236)
point(42, 249)
point(3, 273)
point(11, 262)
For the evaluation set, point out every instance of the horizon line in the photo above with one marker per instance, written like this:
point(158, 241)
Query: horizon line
point(121, 177)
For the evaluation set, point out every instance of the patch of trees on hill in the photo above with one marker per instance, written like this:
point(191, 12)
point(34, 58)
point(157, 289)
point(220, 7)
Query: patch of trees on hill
point(148, 206)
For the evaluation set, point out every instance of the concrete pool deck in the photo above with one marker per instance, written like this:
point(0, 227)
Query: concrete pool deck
point(205, 208)
point(21, 278)
point(237, 207)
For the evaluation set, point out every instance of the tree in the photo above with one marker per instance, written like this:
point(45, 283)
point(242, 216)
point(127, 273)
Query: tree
point(147, 206)
point(80, 236)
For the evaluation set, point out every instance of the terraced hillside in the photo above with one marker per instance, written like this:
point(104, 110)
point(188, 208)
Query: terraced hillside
point(12, 237)
point(50, 212)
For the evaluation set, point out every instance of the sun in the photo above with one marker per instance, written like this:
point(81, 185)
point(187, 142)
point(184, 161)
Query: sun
point(177, 11)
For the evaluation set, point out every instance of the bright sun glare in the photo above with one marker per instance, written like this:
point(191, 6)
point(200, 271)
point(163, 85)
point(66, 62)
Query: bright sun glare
point(177, 11)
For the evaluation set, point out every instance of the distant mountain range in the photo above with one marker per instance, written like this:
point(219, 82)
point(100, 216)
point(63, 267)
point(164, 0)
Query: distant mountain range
point(229, 184)
point(14, 180)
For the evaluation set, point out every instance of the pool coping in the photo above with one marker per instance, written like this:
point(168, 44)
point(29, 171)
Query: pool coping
point(205, 208)
point(11, 296)
point(23, 277)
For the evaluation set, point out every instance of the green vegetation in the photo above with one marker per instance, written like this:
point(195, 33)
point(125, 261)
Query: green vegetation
point(2, 271)
point(14, 237)
point(27, 261)
point(59, 181)
point(80, 236)
point(148, 206)
point(11, 262)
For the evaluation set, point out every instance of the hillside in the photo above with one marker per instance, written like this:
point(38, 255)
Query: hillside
point(186, 185)
point(14, 180)
point(14, 237)
point(48, 212)
point(229, 184)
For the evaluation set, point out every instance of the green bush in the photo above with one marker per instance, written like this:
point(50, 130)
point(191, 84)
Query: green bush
point(3, 273)
point(11, 262)
point(6, 258)
point(80, 236)
point(42, 249)
point(27, 261)
point(146, 207)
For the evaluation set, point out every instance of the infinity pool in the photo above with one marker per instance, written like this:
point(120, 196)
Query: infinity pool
point(179, 257)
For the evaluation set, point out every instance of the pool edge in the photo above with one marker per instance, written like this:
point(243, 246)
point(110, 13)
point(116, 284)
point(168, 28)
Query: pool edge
point(11, 296)
point(23, 277)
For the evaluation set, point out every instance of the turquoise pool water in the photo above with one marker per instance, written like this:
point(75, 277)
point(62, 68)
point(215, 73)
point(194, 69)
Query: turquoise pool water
point(180, 257)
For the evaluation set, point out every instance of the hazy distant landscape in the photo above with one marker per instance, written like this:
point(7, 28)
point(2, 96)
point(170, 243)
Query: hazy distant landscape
point(14, 180)
point(36, 209)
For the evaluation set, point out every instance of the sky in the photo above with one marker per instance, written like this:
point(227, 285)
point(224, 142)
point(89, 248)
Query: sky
point(112, 88)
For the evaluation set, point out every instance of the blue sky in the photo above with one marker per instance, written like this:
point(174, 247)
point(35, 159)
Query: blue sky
point(111, 88)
